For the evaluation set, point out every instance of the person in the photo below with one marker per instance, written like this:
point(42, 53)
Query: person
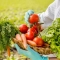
point(51, 13)
point(47, 17)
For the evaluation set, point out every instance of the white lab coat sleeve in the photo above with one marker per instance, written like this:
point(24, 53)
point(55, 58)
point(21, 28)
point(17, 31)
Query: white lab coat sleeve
point(57, 11)
point(48, 16)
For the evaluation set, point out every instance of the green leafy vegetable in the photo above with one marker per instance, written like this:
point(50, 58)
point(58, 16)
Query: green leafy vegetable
point(51, 35)
point(7, 31)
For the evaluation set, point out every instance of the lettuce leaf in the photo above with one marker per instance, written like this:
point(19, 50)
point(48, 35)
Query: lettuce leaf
point(51, 35)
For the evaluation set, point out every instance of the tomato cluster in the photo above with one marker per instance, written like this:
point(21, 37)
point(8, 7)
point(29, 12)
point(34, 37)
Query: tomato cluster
point(31, 35)
point(29, 32)
point(32, 32)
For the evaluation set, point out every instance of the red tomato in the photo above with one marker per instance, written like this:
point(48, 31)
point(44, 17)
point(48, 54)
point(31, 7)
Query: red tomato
point(38, 41)
point(23, 28)
point(35, 27)
point(29, 35)
point(34, 18)
point(32, 30)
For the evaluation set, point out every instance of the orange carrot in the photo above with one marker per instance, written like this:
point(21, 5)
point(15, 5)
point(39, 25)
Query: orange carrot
point(18, 37)
point(8, 50)
point(20, 40)
point(32, 43)
point(15, 40)
point(24, 40)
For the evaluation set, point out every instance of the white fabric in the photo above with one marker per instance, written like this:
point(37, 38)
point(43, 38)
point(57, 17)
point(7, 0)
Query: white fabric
point(50, 55)
point(52, 12)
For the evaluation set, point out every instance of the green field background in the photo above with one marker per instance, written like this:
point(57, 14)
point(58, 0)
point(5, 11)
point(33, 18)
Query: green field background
point(38, 5)
point(15, 9)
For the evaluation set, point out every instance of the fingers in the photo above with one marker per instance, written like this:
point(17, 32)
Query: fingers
point(30, 12)
point(21, 51)
point(27, 15)
point(34, 53)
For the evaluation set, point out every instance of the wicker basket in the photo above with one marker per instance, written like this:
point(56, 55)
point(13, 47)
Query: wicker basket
point(45, 50)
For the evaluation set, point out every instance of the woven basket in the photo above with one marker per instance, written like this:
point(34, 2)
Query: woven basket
point(45, 50)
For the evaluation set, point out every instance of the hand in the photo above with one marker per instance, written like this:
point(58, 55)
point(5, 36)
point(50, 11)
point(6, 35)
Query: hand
point(27, 15)
point(30, 53)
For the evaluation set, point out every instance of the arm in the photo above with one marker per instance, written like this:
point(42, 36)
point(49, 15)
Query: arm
point(48, 16)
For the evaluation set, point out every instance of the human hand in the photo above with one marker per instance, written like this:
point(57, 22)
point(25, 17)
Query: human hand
point(30, 18)
point(27, 15)
point(30, 53)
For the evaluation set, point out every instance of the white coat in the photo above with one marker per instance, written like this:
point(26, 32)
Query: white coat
point(52, 12)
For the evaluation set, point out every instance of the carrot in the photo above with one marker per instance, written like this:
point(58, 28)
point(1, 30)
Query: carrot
point(18, 37)
point(15, 40)
point(8, 50)
point(24, 40)
point(18, 40)
point(32, 43)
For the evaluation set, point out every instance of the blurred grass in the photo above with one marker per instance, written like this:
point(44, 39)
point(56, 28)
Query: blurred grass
point(37, 5)
point(19, 7)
